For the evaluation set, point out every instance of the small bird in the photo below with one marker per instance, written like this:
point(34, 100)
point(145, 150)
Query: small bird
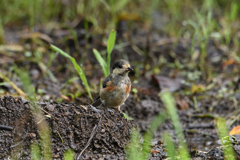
point(115, 89)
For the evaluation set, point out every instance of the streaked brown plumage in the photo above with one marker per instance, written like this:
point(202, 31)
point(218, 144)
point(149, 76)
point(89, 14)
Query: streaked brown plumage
point(116, 87)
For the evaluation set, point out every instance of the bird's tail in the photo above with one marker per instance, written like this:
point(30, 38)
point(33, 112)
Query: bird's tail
point(97, 102)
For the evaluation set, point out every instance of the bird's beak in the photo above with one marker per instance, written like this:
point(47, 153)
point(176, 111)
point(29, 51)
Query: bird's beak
point(130, 69)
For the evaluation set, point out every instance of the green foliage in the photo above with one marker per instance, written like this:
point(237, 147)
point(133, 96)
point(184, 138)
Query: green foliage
point(26, 83)
point(35, 151)
point(230, 22)
point(1, 30)
point(102, 62)
point(124, 115)
point(40, 119)
point(76, 66)
point(32, 14)
point(156, 122)
point(233, 11)
point(135, 146)
point(118, 5)
point(13, 11)
point(110, 45)
point(226, 140)
point(203, 25)
point(174, 7)
point(169, 145)
point(172, 112)
point(69, 155)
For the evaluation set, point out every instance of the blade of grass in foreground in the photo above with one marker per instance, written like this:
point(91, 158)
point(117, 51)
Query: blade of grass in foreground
point(38, 115)
point(35, 151)
point(135, 145)
point(133, 150)
point(155, 123)
point(69, 155)
point(226, 140)
point(172, 112)
point(169, 145)
point(76, 66)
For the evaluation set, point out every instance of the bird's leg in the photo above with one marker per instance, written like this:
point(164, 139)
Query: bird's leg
point(119, 108)
point(110, 110)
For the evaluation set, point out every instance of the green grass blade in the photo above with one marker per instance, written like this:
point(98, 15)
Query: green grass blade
point(169, 145)
point(110, 46)
point(32, 14)
point(172, 112)
point(38, 116)
point(76, 66)
point(134, 147)
point(156, 122)
point(1, 30)
point(119, 5)
point(69, 155)
point(226, 140)
point(26, 83)
point(35, 151)
point(234, 11)
point(102, 62)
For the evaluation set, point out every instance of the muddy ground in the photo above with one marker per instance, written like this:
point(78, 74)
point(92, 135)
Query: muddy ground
point(72, 120)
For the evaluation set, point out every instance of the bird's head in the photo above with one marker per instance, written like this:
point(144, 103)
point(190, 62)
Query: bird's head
point(121, 67)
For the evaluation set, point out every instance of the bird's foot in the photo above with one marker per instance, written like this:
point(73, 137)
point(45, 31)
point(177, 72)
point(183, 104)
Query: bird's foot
point(110, 110)
point(94, 109)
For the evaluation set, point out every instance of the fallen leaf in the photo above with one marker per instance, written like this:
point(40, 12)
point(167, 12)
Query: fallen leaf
point(182, 104)
point(235, 130)
point(163, 82)
point(229, 62)
point(152, 151)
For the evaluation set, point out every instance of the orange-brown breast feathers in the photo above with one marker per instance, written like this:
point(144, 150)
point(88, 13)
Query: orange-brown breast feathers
point(128, 88)
point(110, 86)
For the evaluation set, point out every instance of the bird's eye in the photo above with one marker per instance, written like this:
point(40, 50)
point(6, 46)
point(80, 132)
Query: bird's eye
point(120, 66)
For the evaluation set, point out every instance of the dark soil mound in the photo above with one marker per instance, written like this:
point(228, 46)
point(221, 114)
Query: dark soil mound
point(71, 127)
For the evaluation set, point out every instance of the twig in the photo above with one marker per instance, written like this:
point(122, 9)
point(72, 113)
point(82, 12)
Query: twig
point(201, 125)
point(8, 128)
point(24, 138)
point(90, 139)
point(118, 128)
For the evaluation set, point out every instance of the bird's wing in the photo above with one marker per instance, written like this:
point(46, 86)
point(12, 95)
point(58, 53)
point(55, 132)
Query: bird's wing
point(106, 81)
point(97, 101)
